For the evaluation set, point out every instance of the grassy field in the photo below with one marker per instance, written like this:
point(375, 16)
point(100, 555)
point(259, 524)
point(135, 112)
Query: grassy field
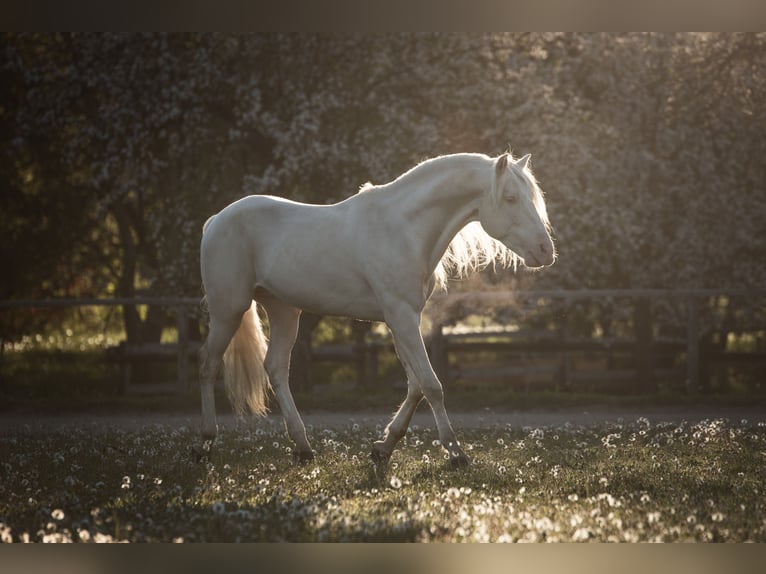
point(631, 481)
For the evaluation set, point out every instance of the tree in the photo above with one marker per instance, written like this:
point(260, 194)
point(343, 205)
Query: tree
point(666, 136)
point(142, 127)
point(648, 145)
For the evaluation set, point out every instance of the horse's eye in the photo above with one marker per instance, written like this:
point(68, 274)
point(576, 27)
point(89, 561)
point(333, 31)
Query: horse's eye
point(511, 198)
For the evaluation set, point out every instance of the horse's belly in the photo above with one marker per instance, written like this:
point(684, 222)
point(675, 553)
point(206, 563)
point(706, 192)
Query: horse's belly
point(342, 296)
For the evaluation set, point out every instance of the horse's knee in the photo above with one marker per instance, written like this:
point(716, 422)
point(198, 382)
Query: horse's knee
point(414, 393)
point(432, 391)
point(209, 365)
point(277, 370)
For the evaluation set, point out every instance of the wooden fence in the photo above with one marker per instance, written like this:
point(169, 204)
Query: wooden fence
point(126, 355)
point(446, 347)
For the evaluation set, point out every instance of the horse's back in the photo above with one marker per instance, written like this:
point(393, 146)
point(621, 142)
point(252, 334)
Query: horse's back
point(251, 217)
point(307, 255)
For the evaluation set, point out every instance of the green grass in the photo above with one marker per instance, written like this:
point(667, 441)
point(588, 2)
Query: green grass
point(618, 482)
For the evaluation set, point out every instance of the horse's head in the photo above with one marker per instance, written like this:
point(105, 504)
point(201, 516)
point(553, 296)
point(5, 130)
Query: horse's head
point(513, 212)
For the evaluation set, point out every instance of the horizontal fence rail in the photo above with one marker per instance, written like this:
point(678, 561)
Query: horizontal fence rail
point(643, 350)
point(440, 345)
point(99, 302)
point(126, 354)
point(601, 293)
point(643, 346)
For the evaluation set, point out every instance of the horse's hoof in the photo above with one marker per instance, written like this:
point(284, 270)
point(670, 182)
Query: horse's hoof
point(378, 455)
point(303, 456)
point(208, 433)
point(459, 461)
point(202, 453)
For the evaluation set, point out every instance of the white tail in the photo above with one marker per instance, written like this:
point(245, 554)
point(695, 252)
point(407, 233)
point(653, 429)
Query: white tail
point(244, 374)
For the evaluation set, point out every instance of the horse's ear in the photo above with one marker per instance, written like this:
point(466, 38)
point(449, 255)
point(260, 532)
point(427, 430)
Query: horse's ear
point(522, 163)
point(502, 164)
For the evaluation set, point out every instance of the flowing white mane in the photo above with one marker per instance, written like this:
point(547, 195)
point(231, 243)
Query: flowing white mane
point(472, 249)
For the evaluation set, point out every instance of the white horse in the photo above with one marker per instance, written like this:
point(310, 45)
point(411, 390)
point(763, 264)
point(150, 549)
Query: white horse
point(376, 256)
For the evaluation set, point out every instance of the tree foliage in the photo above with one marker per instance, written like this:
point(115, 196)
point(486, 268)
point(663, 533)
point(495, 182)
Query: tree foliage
point(117, 147)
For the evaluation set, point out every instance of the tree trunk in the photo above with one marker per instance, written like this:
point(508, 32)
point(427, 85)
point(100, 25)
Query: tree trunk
point(136, 330)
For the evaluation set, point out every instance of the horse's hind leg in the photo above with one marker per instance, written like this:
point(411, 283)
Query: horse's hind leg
point(283, 329)
point(211, 359)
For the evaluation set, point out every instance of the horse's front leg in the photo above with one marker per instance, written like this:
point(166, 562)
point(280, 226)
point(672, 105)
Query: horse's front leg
point(404, 323)
point(397, 428)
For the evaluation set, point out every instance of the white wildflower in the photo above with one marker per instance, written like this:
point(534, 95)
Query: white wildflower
point(581, 535)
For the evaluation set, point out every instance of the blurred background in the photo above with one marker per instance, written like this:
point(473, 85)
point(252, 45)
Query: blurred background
point(650, 149)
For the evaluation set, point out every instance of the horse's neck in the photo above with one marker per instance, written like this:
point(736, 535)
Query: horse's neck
point(442, 200)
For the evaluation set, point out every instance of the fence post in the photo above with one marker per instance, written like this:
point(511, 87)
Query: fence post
point(183, 347)
point(564, 370)
point(439, 359)
point(359, 346)
point(692, 345)
point(301, 362)
point(2, 360)
point(642, 325)
point(372, 375)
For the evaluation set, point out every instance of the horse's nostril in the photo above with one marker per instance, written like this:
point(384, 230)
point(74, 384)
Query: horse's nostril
point(544, 248)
